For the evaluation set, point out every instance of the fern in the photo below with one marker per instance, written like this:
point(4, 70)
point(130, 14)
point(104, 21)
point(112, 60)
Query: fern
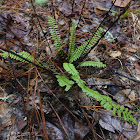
point(63, 81)
point(13, 56)
point(86, 45)
point(23, 57)
point(73, 55)
point(93, 64)
point(72, 39)
point(104, 100)
point(54, 32)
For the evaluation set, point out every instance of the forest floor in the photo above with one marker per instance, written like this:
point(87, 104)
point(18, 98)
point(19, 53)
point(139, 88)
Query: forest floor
point(34, 106)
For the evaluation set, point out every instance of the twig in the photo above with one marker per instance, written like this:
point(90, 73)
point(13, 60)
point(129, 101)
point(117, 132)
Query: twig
point(135, 80)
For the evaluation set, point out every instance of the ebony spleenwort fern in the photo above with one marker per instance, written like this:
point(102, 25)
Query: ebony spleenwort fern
point(81, 50)
point(93, 63)
point(73, 55)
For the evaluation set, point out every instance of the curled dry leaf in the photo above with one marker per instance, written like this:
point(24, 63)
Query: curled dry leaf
point(115, 54)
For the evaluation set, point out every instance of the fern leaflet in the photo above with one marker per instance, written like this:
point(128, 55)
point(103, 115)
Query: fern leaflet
point(94, 39)
point(54, 32)
point(70, 68)
point(78, 52)
point(63, 81)
point(93, 64)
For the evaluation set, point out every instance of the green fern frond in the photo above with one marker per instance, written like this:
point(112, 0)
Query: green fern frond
point(13, 56)
point(63, 81)
point(93, 64)
point(104, 100)
point(95, 38)
point(86, 45)
point(78, 52)
point(54, 32)
point(72, 39)
point(23, 57)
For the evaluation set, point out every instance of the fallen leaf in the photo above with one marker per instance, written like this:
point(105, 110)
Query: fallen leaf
point(131, 47)
point(80, 130)
point(137, 67)
point(121, 3)
point(115, 54)
point(21, 124)
point(110, 123)
point(137, 136)
point(53, 132)
point(132, 95)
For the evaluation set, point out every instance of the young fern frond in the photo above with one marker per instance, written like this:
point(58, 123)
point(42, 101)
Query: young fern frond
point(54, 32)
point(86, 45)
point(25, 57)
point(72, 39)
point(78, 52)
point(97, 35)
point(93, 64)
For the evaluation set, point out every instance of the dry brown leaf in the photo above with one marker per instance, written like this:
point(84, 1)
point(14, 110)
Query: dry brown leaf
point(121, 3)
point(137, 136)
point(131, 47)
point(115, 54)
